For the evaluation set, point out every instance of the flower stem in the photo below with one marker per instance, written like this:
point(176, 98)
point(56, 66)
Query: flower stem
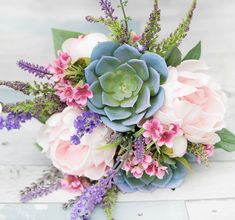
point(124, 15)
point(139, 133)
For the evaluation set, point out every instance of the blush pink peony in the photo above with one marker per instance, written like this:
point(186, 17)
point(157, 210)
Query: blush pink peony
point(81, 160)
point(194, 101)
point(82, 46)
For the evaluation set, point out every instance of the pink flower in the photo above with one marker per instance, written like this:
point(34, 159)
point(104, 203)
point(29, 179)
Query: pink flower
point(161, 171)
point(63, 56)
point(82, 93)
point(152, 128)
point(67, 94)
point(146, 161)
point(166, 138)
point(74, 183)
point(195, 101)
point(82, 46)
point(136, 37)
point(84, 160)
point(151, 170)
point(209, 149)
point(126, 165)
point(137, 172)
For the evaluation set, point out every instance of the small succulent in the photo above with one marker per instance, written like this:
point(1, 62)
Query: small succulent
point(173, 179)
point(125, 84)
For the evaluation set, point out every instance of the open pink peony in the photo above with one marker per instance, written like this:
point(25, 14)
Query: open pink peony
point(82, 46)
point(82, 160)
point(194, 101)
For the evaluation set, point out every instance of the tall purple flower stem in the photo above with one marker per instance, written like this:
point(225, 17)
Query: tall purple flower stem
point(35, 69)
point(108, 9)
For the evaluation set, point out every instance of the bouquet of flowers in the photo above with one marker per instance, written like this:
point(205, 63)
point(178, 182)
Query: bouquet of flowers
point(123, 112)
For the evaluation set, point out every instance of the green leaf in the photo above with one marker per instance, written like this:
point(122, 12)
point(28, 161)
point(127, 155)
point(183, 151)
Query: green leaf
point(59, 36)
point(167, 151)
point(111, 145)
point(109, 202)
point(227, 142)
point(168, 160)
point(39, 147)
point(194, 53)
point(173, 57)
point(183, 161)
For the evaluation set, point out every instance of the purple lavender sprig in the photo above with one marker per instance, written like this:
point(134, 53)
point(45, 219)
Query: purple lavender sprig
point(40, 191)
point(83, 124)
point(49, 182)
point(35, 69)
point(139, 146)
point(92, 196)
point(14, 120)
point(108, 9)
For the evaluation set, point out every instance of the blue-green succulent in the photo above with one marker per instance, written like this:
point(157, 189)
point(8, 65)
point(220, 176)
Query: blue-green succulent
point(173, 179)
point(125, 84)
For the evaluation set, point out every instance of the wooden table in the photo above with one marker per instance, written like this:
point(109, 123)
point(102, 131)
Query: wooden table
point(208, 193)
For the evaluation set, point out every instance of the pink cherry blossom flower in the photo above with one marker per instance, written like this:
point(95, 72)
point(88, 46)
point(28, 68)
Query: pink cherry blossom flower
point(152, 128)
point(166, 138)
point(209, 149)
point(161, 171)
point(127, 166)
point(151, 170)
point(73, 183)
point(146, 161)
point(63, 56)
point(137, 172)
point(65, 91)
point(136, 37)
point(175, 128)
point(82, 93)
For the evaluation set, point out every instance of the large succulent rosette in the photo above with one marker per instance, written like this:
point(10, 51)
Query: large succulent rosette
point(174, 177)
point(125, 84)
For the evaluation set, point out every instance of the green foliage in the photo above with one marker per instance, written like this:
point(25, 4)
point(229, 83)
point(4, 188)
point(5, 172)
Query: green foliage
point(41, 107)
point(194, 53)
point(198, 150)
point(184, 162)
point(59, 36)
point(178, 35)
point(109, 202)
point(40, 148)
point(152, 29)
point(117, 31)
point(40, 88)
point(173, 57)
point(227, 142)
point(75, 72)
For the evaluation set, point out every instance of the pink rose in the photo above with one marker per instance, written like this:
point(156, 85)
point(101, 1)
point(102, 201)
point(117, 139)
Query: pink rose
point(194, 101)
point(81, 160)
point(82, 46)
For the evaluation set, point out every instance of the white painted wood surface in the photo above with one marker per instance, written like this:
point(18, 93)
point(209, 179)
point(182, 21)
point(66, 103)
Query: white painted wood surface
point(208, 193)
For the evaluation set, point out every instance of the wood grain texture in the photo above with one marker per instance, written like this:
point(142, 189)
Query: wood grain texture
point(211, 209)
point(201, 183)
point(174, 210)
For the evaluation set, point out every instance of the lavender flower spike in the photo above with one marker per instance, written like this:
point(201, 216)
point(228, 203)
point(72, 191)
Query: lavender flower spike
point(35, 69)
point(83, 124)
point(14, 120)
point(92, 196)
point(40, 191)
point(139, 146)
point(108, 9)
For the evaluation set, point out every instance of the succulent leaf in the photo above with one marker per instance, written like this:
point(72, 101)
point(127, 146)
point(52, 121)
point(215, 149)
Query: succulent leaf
point(125, 84)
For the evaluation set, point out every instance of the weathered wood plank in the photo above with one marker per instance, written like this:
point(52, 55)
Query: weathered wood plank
point(211, 209)
point(202, 183)
point(173, 210)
